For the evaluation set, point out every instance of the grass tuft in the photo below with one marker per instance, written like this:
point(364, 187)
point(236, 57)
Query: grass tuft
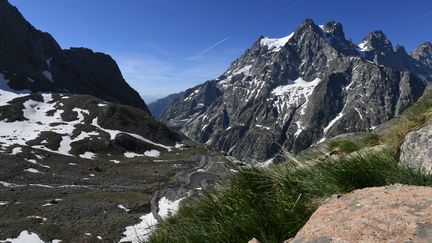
point(272, 204)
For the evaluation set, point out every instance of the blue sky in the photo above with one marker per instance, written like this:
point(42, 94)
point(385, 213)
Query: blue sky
point(165, 46)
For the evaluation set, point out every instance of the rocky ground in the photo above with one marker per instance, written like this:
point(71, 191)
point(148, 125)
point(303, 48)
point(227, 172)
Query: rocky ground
point(76, 199)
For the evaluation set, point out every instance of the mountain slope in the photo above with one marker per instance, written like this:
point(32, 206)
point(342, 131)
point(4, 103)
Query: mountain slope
point(291, 92)
point(157, 107)
point(34, 61)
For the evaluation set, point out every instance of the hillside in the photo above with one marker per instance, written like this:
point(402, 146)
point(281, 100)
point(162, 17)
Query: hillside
point(81, 157)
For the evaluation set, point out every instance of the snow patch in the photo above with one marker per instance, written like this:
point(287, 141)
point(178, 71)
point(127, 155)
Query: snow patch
point(132, 155)
point(25, 237)
point(16, 150)
point(245, 70)
point(88, 155)
point(293, 95)
point(332, 122)
point(141, 231)
point(192, 95)
point(2, 203)
point(32, 170)
point(275, 44)
point(152, 153)
point(123, 208)
point(363, 47)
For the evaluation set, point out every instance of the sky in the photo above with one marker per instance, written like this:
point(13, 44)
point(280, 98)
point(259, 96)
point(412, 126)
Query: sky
point(166, 46)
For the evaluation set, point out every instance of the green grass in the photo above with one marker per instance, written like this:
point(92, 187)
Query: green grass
point(272, 204)
point(345, 146)
point(415, 117)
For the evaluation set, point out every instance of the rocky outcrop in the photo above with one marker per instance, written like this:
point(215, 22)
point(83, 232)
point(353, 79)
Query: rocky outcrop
point(32, 60)
point(416, 150)
point(387, 214)
point(292, 92)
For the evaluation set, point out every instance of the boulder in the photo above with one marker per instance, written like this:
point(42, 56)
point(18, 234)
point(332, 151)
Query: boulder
point(394, 213)
point(416, 150)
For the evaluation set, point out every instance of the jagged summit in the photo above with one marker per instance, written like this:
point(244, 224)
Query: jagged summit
point(335, 28)
point(297, 90)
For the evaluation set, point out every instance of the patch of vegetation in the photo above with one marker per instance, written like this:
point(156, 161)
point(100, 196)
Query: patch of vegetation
point(414, 118)
point(272, 204)
point(370, 139)
point(344, 146)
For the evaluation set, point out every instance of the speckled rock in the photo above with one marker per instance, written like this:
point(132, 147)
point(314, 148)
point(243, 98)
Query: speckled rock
point(416, 151)
point(383, 214)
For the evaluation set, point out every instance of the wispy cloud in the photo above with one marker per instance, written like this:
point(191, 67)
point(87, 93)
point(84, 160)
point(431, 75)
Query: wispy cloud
point(423, 16)
point(201, 53)
point(294, 4)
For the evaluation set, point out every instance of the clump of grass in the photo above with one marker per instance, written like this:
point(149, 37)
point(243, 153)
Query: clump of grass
point(272, 204)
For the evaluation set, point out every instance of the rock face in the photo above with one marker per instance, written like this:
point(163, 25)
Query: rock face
point(416, 150)
point(295, 91)
point(32, 60)
point(387, 214)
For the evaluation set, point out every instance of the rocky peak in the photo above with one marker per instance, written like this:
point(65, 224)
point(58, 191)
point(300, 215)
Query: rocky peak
point(400, 50)
point(335, 29)
point(308, 27)
point(377, 41)
point(377, 48)
point(423, 54)
point(308, 23)
point(334, 33)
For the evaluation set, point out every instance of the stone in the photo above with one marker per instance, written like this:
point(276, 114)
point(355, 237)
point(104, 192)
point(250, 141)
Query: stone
point(254, 240)
point(416, 150)
point(395, 213)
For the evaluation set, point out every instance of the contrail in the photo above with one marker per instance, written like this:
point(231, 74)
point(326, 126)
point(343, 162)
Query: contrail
point(423, 16)
point(294, 4)
point(201, 53)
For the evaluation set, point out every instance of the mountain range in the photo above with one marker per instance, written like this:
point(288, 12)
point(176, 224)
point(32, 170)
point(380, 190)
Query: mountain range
point(286, 94)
